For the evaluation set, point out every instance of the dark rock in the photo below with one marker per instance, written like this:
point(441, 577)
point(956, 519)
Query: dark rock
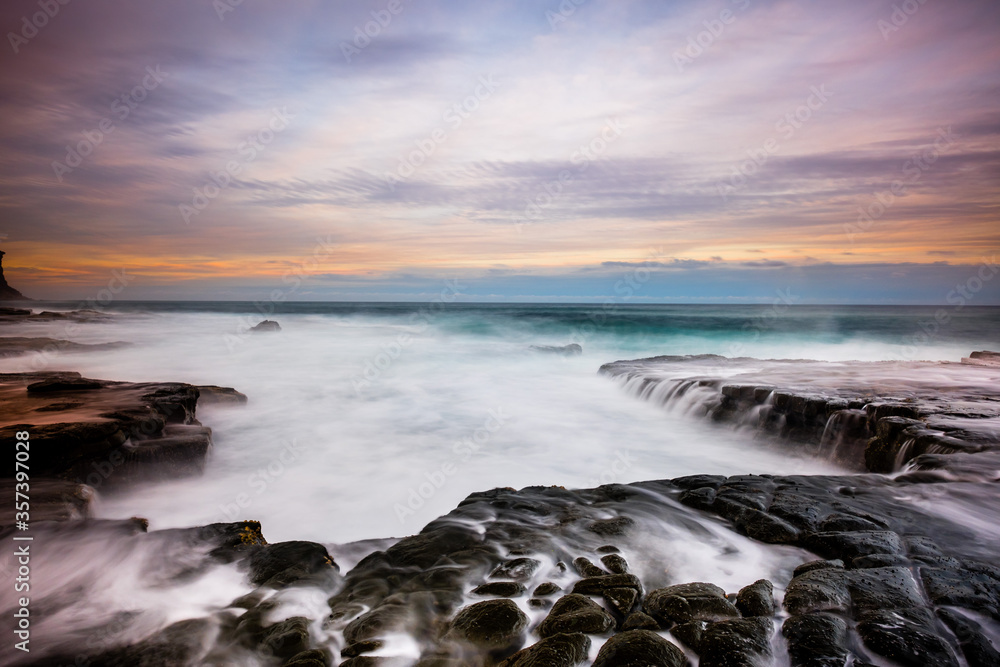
point(640, 621)
point(266, 325)
point(818, 565)
point(849, 545)
point(576, 613)
point(976, 590)
point(278, 565)
point(490, 625)
point(8, 293)
point(907, 639)
point(689, 602)
point(179, 644)
point(816, 640)
point(310, 658)
point(977, 649)
point(502, 589)
point(362, 647)
point(546, 588)
point(884, 588)
point(536, 603)
point(615, 564)
point(616, 527)
point(639, 648)
point(586, 568)
point(560, 650)
point(213, 395)
point(64, 385)
point(597, 585)
point(741, 642)
point(287, 638)
point(878, 560)
point(823, 589)
point(690, 634)
point(518, 569)
point(390, 616)
point(757, 599)
point(608, 549)
point(768, 528)
point(621, 600)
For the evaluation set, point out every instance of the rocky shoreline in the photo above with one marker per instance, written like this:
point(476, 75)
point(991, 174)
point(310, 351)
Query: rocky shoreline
point(875, 569)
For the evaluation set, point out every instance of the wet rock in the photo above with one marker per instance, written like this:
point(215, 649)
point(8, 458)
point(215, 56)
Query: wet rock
point(639, 648)
point(536, 603)
point(278, 565)
point(310, 658)
point(818, 565)
point(768, 528)
point(816, 640)
point(878, 560)
point(822, 589)
point(848, 545)
point(179, 644)
point(359, 648)
point(502, 589)
point(757, 599)
point(884, 588)
point(576, 613)
point(266, 326)
point(608, 549)
point(741, 642)
point(490, 625)
point(977, 649)
point(210, 394)
point(905, 637)
point(586, 568)
point(690, 634)
point(621, 600)
point(560, 650)
point(518, 569)
point(390, 616)
point(615, 527)
point(689, 602)
point(615, 564)
point(597, 585)
point(640, 621)
point(546, 588)
point(962, 587)
point(286, 638)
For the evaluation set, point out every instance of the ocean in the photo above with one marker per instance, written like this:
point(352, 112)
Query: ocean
point(368, 420)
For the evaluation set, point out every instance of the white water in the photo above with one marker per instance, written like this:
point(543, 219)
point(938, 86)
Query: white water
point(315, 457)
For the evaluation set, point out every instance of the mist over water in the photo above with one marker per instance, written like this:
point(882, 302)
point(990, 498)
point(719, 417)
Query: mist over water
point(369, 420)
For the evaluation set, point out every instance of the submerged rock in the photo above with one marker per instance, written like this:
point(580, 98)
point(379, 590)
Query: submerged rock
point(265, 326)
point(576, 613)
point(560, 650)
point(639, 648)
point(570, 350)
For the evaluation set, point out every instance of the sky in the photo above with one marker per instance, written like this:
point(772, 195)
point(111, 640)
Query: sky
point(578, 150)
